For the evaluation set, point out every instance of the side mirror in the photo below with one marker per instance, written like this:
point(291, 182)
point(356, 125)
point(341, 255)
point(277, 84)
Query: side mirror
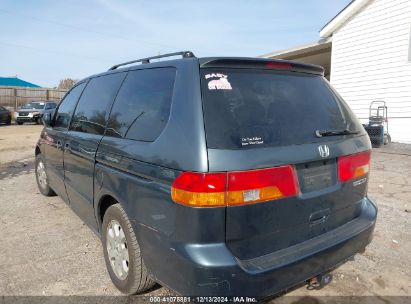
point(47, 119)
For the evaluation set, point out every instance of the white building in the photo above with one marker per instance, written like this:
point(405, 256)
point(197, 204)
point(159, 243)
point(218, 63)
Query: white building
point(366, 53)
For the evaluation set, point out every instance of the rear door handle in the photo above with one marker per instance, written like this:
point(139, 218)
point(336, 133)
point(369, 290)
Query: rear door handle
point(319, 216)
point(318, 220)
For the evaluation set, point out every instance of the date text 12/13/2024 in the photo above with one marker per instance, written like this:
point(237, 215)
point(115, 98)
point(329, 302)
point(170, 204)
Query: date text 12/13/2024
point(201, 299)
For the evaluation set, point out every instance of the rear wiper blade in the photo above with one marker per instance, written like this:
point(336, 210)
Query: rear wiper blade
point(321, 133)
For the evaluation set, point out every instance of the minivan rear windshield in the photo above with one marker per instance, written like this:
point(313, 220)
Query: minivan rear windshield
point(246, 108)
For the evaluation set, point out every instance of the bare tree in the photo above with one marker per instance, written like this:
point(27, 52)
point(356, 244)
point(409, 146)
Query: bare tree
point(66, 83)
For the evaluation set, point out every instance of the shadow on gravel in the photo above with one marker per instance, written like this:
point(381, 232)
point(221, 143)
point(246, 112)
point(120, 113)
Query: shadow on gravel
point(13, 169)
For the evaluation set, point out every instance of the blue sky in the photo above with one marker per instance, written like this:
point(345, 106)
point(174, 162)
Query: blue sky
point(44, 41)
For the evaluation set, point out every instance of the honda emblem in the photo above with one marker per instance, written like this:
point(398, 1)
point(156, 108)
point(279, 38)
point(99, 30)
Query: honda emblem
point(324, 150)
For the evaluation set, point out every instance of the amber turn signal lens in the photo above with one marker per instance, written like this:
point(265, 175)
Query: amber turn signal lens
point(198, 199)
point(253, 196)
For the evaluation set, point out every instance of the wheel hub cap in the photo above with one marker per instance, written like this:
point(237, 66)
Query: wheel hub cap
point(117, 249)
point(41, 175)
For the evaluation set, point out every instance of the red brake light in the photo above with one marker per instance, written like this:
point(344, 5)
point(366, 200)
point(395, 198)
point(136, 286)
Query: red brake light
point(201, 182)
point(200, 189)
point(234, 188)
point(354, 166)
point(279, 65)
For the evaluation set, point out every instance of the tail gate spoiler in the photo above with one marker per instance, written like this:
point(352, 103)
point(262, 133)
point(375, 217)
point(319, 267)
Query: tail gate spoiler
point(263, 63)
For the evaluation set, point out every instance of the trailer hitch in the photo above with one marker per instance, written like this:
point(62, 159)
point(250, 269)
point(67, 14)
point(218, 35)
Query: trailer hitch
point(319, 281)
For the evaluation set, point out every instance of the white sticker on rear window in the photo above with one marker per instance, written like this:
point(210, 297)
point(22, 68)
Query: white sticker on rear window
point(245, 141)
point(218, 84)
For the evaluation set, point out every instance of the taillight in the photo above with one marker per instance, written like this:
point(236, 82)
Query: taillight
point(261, 185)
point(199, 189)
point(234, 188)
point(354, 166)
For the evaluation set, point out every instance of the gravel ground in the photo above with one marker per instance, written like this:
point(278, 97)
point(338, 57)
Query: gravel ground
point(17, 142)
point(47, 250)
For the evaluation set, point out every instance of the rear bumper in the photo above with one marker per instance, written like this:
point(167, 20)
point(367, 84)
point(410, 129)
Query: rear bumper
point(211, 269)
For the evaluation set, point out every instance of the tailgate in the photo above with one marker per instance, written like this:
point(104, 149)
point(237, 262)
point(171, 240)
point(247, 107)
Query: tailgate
point(323, 203)
point(258, 118)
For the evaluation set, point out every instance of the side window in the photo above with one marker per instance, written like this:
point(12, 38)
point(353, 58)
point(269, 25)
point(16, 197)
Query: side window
point(142, 106)
point(95, 102)
point(67, 105)
point(2, 109)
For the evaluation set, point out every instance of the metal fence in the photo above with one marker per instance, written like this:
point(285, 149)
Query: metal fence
point(13, 97)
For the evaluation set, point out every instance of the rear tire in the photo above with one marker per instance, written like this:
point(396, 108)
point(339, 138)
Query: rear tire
point(122, 253)
point(42, 178)
point(19, 123)
point(38, 121)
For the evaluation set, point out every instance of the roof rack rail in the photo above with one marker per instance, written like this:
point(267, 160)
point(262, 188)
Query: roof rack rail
point(184, 54)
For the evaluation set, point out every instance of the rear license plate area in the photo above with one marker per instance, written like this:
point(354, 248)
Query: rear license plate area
point(317, 175)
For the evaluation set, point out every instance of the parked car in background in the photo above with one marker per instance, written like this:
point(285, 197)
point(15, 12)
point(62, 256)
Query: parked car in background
point(5, 116)
point(212, 176)
point(34, 111)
